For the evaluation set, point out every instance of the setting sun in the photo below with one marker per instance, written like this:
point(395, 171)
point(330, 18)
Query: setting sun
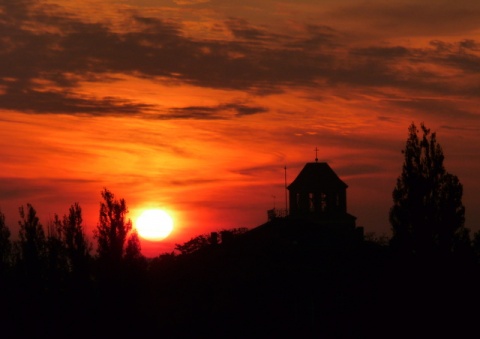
point(154, 224)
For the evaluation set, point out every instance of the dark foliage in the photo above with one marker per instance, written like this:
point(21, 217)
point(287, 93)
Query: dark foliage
point(202, 241)
point(32, 245)
point(133, 248)
point(76, 244)
point(428, 214)
point(193, 245)
point(112, 228)
point(5, 245)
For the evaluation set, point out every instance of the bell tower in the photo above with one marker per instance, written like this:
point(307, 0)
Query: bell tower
point(318, 194)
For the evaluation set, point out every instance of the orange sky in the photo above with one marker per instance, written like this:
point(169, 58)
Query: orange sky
point(196, 106)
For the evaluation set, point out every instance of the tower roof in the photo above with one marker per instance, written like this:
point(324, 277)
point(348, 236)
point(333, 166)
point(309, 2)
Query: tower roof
point(317, 175)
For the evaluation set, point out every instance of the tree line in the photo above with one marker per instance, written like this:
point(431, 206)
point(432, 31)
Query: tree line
point(55, 276)
point(52, 279)
point(62, 250)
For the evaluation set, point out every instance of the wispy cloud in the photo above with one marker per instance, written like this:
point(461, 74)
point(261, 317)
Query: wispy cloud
point(48, 54)
point(437, 108)
point(223, 111)
point(411, 18)
point(65, 102)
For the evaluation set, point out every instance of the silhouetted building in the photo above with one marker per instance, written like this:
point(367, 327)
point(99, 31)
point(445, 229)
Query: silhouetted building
point(317, 194)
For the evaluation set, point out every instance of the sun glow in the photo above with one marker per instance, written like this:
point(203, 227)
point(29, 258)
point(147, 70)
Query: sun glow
point(154, 224)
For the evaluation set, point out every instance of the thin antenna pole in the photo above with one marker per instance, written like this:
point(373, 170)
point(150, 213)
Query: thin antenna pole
point(286, 200)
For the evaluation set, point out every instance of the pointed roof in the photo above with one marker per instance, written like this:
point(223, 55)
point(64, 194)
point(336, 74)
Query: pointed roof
point(317, 175)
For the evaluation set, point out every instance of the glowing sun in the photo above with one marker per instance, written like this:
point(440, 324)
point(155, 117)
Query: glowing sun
point(154, 224)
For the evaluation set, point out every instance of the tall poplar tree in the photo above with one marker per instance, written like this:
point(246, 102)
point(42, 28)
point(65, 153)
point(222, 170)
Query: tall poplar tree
point(427, 212)
point(33, 244)
point(75, 241)
point(112, 229)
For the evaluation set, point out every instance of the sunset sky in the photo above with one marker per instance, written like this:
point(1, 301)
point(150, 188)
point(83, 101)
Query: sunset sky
point(196, 106)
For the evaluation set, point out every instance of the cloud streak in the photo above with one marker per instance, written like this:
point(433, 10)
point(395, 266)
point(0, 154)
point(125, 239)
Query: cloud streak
point(216, 112)
point(49, 54)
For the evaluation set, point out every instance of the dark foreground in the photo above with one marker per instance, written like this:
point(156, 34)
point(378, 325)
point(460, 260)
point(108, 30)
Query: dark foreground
point(270, 283)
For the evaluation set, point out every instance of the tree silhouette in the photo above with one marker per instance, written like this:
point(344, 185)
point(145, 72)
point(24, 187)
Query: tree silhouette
point(32, 243)
point(135, 263)
point(427, 213)
point(133, 248)
point(55, 254)
point(193, 244)
point(5, 245)
point(112, 229)
point(76, 244)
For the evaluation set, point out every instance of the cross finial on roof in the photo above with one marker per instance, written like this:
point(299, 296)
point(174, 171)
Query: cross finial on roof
point(316, 154)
